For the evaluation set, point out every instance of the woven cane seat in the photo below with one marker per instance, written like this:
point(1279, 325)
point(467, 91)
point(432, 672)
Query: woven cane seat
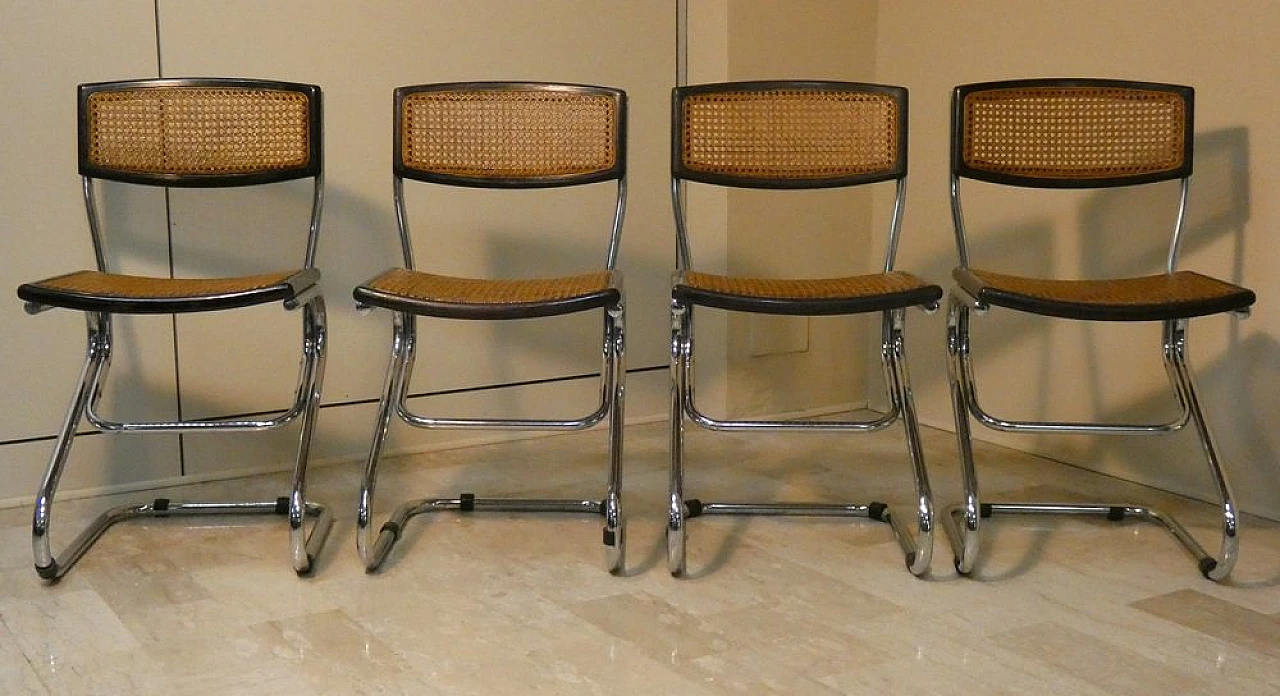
point(428, 294)
point(92, 291)
point(1179, 295)
point(807, 297)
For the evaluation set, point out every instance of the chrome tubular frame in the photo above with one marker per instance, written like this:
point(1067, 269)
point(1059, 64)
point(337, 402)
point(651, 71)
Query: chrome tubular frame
point(917, 549)
point(962, 522)
point(374, 550)
point(304, 547)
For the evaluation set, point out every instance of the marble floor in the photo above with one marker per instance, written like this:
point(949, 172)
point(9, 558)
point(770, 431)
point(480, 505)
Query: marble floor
point(499, 604)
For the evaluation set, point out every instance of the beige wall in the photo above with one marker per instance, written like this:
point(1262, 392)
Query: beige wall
point(357, 53)
point(1065, 370)
point(785, 364)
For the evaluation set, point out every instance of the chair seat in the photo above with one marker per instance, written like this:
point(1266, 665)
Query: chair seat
point(427, 294)
point(93, 291)
point(1179, 295)
point(806, 297)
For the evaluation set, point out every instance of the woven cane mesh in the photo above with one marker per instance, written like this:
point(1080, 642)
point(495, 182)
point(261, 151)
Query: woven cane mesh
point(1074, 132)
point(1183, 287)
point(806, 289)
point(436, 288)
point(125, 287)
point(789, 133)
point(507, 133)
point(198, 130)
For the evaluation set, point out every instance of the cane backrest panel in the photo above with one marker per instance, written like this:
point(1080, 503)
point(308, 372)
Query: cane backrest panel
point(199, 132)
point(509, 134)
point(789, 134)
point(1073, 133)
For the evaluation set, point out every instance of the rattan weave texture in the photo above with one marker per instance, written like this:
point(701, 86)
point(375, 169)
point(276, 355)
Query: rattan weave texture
point(94, 291)
point(509, 133)
point(806, 288)
point(806, 296)
point(139, 287)
point(1065, 132)
point(1164, 296)
point(198, 130)
point(790, 134)
point(428, 287)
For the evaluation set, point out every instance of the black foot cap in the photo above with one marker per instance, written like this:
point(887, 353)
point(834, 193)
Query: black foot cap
point(49, 572)
point(1115, 514)
point(693, 507)
point(610, 538)
point(878, 511)
point(1206, 566)
point(282, 506)
point(467, 502)
point(984, 510)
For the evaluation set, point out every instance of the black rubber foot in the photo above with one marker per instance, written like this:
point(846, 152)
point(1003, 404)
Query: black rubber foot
point(1206, 566)
point(282, 506)
point(1115, 514)
point(49, 572)
point(610, 538)
point(161, 506)
point(693, 507)
point(984, 510)
point(467, 502)
point(877, 511)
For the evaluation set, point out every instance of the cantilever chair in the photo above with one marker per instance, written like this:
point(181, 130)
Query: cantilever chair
point(501, 135)
point(794, 135)
point(1080, 133)
point(196, 133)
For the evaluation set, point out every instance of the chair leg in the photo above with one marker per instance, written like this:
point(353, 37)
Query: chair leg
point(964, 544)
point(1175, 349)
point(97, 357)
point(373, 551)
point(304, 548)
point(681, 355)
point(919, 550)
point(615, 531)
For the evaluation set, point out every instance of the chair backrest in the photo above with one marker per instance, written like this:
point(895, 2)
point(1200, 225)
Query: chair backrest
point(1072, 133)
point(510, 134)
point(789, 134)
point(199, 132)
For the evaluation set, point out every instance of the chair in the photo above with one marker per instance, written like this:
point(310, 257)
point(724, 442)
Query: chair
point(793, 135)
point(501, 135)
point(195, 133)
point(1078, 134)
